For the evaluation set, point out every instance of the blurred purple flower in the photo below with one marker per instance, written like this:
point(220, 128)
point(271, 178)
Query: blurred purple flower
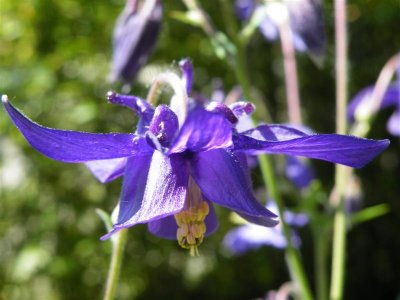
point(248, 237)
point(391, 98)
point(172, 170)
point(299, 172)
point(135, 35)
point(306, 21)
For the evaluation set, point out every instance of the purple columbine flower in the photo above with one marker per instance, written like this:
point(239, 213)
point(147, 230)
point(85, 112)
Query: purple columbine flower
point(135, 35)
point(306, 21)
point(251, 237)
point(391, 98)
point(177, 164)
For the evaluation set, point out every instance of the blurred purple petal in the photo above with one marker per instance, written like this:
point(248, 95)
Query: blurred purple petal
point(222, 180)
point(199, 133)
point(244, 8)
point(393, 125)
point(307, 23)
point(167, 227)
point(390, 98)
point(298, 172)
point(250, 237)
point(342, 149)
point(108, 169)
point(135, 36)
point(75, 146)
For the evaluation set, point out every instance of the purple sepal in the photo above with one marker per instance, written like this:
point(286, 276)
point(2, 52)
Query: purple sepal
point(342, 149)
point(108, 169)
point(222, 180)
point(75, 146)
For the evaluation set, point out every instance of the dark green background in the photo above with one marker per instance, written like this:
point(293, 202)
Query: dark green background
point(54, 62)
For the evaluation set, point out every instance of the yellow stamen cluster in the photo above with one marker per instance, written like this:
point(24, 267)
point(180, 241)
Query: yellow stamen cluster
point(191, 227)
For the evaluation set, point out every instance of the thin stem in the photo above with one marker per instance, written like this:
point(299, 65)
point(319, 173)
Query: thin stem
point(118, 245)
point(321, 254)
point(205, 22)
point(290, 67)
point(341, 174)
point(230, 23)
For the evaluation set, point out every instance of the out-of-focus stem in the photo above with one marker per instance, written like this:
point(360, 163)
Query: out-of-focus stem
point(341, 174)
point(118, 245)
point(205, 22)
point(290, 67)
point(321, 255)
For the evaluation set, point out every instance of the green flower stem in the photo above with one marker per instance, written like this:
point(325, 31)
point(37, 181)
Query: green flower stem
point(321, 255)
point(118, 244)
point(341, 174)
point(230, 23)
point(292, 255)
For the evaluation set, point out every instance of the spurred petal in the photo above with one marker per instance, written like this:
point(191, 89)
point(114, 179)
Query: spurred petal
point(342, 149)
point(108, 169)
point(153, 188)
point(166, 227)
point(202, 131)
point(164, 125)
point(223, 180)
point(74, 146)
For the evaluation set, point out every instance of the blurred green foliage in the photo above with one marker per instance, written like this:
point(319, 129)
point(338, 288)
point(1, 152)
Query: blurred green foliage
point(54, 62)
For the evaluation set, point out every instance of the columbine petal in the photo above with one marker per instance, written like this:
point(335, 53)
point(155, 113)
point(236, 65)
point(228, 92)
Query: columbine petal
point(153, 188)
point(222, 180)
point(342, 149)
point(108, 169)
point(75, 146)
point(202, 131)
point(167, 227)
point(164, 125)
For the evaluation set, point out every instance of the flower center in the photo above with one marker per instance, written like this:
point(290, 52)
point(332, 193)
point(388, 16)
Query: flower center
point(190, 221)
